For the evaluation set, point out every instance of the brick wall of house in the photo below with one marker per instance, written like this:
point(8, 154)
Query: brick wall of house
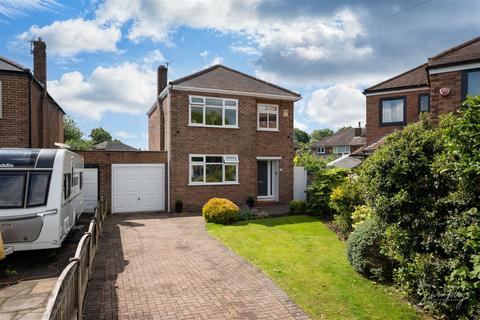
point(441, 105)
point(154, 129)
point(376, 131)
point(14, 128)
point(246, 142)
point(103, 160)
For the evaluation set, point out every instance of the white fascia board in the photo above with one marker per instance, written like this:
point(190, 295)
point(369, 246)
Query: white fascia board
point(454, 68)
point(269, 158)
point(395, 91)
point(238, 93)
point(161, 96)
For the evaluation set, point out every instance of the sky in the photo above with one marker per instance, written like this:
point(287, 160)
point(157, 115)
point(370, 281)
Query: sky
point(103, 54)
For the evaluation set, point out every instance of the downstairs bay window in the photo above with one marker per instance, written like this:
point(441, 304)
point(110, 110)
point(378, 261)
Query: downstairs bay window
point(213, 169)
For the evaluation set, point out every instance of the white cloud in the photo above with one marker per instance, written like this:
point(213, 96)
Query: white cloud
point(126, 88)
point(67, 38)
point(125, 135)
point(337, 106)
point(216, 60)
point(299, 125)
point(248, 50)
point(19, 7)
point(204, 54)
point(154, 56)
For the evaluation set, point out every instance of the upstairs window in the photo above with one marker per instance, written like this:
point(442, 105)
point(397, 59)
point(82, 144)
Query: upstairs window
point(213, 112)
point(213, 169)
point(424, 103)
point(267, 117)
point(341, 150)
point(471, 83)
point(392, 111)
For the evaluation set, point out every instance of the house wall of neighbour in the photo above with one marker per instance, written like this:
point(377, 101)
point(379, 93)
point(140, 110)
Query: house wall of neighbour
point(439, 104)
point(103, 160)
point(154, 129)
point(374, 129)
point(329, 150)
point(246, 142)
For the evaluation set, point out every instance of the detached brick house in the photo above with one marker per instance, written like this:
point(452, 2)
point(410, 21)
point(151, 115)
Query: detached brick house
point(438, 86)
point(342, 143)
point(29, 116)
point(227, 134)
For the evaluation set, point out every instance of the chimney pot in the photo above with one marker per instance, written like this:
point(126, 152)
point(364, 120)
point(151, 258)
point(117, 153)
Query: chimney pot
point(162, 78)
point(40, 61)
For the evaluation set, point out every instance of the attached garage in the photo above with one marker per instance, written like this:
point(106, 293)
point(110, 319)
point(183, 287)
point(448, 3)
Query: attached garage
point(90, 189)
point(138, 187)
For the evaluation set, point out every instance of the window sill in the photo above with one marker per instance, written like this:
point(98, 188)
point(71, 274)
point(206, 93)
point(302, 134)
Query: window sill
point(214, 184)
point(392, 124)
point(268, 130)
point(206, 126)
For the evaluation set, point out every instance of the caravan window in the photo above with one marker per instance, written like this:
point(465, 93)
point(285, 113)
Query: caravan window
point(12, 189)
point(67, 185)
point(38, 188)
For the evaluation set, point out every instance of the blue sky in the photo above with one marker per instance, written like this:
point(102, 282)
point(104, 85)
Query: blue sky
point(103, 54)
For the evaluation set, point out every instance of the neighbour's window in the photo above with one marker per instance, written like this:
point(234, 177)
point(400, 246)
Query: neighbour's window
point(424, 103)
point(267, 117)
point(341, 150)
point(38, 189)
point(213, 169)
point(392, 111)
point(213, 112)
point(321, 150)
point(471, 83)
point(12, 189)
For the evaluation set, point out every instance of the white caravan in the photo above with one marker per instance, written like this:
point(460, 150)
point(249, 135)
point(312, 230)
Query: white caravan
point(40, 197)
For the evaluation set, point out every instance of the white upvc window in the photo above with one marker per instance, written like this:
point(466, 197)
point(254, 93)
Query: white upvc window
point(320, 150)
point(212, 112)
point(267, 117)
point(341, 150)
point(213, 169)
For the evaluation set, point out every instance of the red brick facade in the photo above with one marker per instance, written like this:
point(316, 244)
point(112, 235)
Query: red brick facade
point(247, 142)
point(29, 118)
point(440, 104)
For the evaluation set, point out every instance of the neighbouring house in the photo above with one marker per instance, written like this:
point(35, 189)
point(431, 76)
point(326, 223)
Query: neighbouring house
point(29, 116)
point(342, 143)
point(227, 134)
point(113, 146)
point(438, 86)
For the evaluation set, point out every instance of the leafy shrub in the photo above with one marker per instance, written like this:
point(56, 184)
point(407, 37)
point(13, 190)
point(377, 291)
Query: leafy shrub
point(245, 215)
point(309, 161)
point(361, 214)
point(320, 189)
point(178, 206)
point(363, 251)
point(343, 200)
point(297, 207)
point(251, 201)
point(220, 210)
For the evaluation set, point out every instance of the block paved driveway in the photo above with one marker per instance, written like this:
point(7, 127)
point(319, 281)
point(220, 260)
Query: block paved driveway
point(154, 267)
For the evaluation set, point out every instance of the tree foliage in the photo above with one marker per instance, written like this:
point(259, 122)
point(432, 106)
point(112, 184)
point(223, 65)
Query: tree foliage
point(320, 134)
point(301, 136)
point(71, 131)
point(99, 135)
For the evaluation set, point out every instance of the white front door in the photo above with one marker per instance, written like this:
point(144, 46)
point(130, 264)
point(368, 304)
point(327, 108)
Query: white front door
point(267, 180)
point(90, 189)
point(138, 187)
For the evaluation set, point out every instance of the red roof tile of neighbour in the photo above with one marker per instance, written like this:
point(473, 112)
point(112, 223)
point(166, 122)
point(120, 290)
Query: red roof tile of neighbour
point(416, 77)
point(345, 137)
point(224, 78)
point(466, 52)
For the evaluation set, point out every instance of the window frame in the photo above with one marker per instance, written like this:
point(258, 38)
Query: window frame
point(24, 188)
point(380, 112)
point(465, 82)
point(342, 153)
point(204, 106)
point(420, 102)
point(47, 191)
point(204, 164)
point(268, 112)
point(318, 152)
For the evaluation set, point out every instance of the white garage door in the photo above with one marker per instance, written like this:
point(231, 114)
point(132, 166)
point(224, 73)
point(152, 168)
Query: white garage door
point(90, 189)
point(138, 187)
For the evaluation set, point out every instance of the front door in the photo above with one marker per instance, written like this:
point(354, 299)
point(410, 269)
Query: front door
point(267, 180)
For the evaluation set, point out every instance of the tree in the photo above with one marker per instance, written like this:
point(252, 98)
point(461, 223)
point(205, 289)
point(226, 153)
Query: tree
point(71, 131)
point(320, 134)
point(100, 135)
point(301, 136)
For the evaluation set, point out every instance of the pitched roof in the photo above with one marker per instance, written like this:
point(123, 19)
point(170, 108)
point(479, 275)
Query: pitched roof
point(369, 148)
point(466, 52)
point(223, 78)
point(416, 77)
point(113, 146)
point(345, 137)
point(9, 65)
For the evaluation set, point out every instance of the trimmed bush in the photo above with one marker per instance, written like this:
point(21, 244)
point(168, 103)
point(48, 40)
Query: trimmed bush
point(179, 206)
point(297, 207)
point(361, 214)
point(251, 201)
point(363, 251)
point(246, 215)
point(319, 191)
point(220, 210)
point(343, 200)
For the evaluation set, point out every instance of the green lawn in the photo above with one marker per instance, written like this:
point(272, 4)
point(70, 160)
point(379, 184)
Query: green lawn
point(309, 263)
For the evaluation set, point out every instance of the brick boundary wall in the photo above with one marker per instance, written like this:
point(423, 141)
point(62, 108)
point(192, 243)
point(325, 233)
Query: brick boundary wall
point(103, 160)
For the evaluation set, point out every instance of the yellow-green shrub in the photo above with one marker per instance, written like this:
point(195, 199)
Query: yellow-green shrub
point(361, 214)
point(220, 210)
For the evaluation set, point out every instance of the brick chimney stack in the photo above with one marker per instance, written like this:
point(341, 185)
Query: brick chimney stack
point(161, 79)
point(40, 61)
point(358, 131)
